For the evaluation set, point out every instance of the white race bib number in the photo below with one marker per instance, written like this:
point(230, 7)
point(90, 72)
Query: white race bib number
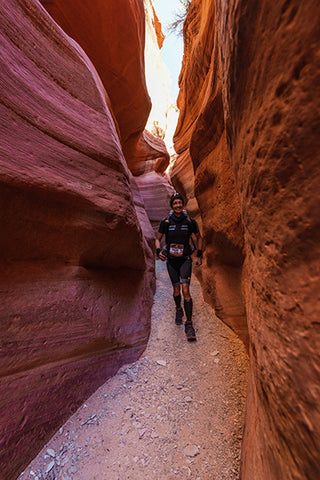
point(176, 249)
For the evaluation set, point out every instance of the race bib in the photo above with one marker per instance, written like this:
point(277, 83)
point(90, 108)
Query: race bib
point(176, 249)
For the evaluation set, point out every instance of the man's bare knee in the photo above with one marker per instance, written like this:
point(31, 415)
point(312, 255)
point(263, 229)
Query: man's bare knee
point(176, 290)
point(186, 291)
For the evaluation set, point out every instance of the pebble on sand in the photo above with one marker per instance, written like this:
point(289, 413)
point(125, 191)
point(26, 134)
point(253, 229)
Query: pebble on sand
point(50, 467)
point(191, 450)
point(163, 363)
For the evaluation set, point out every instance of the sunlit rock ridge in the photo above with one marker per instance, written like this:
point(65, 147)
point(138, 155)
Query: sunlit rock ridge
point(77, 275)
point(163, 116)
point(248, 145)
point(153, 183)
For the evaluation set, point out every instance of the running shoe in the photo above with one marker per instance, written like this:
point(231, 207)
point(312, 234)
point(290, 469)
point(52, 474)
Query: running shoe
point(190, 333)
point(179, 315)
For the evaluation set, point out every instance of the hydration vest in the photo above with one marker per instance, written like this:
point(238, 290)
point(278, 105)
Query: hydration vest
point(185, 222)
point(169, 220)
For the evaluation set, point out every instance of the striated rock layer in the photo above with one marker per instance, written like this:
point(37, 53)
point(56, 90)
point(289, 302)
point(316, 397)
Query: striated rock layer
point(77, 273)
point(249, 127)
point(113, 36)
point(152, 157)
point(200, 141)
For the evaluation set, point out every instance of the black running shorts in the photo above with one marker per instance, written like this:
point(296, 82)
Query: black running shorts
point(179, 270)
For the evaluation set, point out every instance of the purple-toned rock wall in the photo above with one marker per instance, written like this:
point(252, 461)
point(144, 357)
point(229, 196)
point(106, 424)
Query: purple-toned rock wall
point(77, 271)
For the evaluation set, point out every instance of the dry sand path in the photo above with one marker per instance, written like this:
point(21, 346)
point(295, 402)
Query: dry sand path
point(175, 414)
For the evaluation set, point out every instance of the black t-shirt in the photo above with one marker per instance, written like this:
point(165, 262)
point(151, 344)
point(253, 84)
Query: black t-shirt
point(178, 231)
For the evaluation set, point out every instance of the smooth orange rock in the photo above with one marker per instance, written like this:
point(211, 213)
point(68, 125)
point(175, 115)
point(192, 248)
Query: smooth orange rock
point(112, 35)
point(158, 28)
point(77, 273)
point(201, 143)
point(249, 123)
point(147, 153)
point(156, 192)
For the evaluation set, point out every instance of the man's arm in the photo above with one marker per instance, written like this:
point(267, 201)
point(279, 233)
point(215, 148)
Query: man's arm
point(158, 247)
point(158, 239)
point(197, 240)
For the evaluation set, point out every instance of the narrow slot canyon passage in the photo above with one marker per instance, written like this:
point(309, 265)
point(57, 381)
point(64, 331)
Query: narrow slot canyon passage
point(95, 374)
point(176, 413)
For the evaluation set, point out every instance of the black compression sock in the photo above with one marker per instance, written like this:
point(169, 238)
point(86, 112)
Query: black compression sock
point(188, 309)
point(177, 300)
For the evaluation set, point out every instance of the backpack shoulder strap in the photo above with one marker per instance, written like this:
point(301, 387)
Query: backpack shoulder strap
point(188, 218)
point(167, 222)
point(168, 217)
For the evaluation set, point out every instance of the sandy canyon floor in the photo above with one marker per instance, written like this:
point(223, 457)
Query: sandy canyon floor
point(175, 414)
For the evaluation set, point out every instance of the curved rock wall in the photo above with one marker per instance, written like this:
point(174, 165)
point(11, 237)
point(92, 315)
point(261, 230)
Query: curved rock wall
point(249, 126)
point(113, 36)
point(121, 64)
point(271, 94)
point(95, 24)
point(77, 275)
point(200, 140)
point(153, 157)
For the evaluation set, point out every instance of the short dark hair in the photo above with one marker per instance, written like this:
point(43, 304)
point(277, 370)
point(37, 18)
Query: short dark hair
point(176, 196)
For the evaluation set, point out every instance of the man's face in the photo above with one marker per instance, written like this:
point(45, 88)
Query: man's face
point(177, 206)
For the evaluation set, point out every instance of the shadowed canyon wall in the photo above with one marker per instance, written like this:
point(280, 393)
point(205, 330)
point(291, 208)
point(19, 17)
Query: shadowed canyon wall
point(249, 129)
point(116, 49)
point(77, 267)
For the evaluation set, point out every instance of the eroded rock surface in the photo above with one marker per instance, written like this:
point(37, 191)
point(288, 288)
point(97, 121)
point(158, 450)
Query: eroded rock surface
point(272, 108)
point(158, 419)
point(150, 154)
point(249, 128)
point(77, 272)
point(156, 191)
point(200, 141)
point(113, 36)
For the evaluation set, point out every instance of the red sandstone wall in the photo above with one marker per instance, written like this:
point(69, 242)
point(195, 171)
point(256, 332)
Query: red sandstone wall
point(76, 270)
point(112, 33)
point(271, 77)
point(95, 24)
point(249, 122)
point(200, 140)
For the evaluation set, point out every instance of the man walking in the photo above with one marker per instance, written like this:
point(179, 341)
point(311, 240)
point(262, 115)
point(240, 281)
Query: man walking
point(182, 237)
